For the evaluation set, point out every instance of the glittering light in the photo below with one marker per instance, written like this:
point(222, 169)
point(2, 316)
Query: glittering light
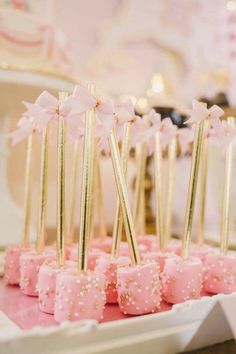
point(231, 5)
point(142, 102)
point(157, 83)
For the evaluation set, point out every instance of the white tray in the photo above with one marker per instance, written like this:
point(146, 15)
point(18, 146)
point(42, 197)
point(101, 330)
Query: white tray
point(187, 326)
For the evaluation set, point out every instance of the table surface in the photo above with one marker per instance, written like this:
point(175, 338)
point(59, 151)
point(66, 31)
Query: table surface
point(228, 347)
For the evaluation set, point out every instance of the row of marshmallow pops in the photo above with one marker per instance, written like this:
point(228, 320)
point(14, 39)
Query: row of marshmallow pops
point(147, 296)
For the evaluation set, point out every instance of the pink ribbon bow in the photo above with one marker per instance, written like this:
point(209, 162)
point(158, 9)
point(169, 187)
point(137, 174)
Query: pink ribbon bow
point(26, 127)
point(46, 108)
point(200, 112)
point(223, 135)
point(82, 100)
point(166, 128)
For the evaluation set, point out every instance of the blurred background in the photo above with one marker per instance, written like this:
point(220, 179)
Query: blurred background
point(157, 52)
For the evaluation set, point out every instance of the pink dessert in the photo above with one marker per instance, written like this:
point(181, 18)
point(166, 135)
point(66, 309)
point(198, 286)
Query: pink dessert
point(93, 256)
point(174, 246)
point(30, 263)
point(12, 264)
point(108, 266)
point(103, 245)
point(138, 289)
point(150, 241)
point(200, 251)
point(182, 279)
point(47, 283)
point(157, 257)
point(220, 274)
point(79, 296)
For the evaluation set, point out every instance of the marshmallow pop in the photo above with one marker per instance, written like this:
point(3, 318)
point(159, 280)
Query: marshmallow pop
point(80, 294)
point(220, 269)
point(13, 253)
point(182, 276)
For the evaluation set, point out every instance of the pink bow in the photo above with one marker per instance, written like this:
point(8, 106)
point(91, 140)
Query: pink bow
point(46, 108)
point(166, 128)
point(223, 135)
point(82, 100)
point(26, 127)
point(200, 112)
point(185, 136)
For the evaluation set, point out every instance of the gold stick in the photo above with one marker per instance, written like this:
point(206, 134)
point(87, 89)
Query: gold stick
point(226, 193)
point(203, 186)
point(158, 191)
point(43, 192)
point(87, 180)
point(169, 207)
point(124, 199)
point(61, 217)
point(142, 211)
point(188, 222)
point(141, 151)
point(27, 197)
point(74, 177)
point(118, 223)
point(100, 201)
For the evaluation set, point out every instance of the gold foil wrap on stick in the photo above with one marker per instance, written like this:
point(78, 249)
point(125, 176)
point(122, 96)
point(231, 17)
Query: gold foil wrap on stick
point(191, 197)
point(61, 216)
point(158, 191)
point(203, 187)
point(27, 196)
point(226, 193)
point(74, 178)
point(87, 187)
point(142, 211)
point(141, 151)
point(43, 192)
point(172, 149)
point(124, 199)
point(118, 222)
point(100, 199)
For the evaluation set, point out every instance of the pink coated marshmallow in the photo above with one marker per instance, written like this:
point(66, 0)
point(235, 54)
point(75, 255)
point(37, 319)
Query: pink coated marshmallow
point(93, 257)
point(220, 274)
point(174, 246)
point(182, 279)
point(12, 264)
point(157, 257)
point(30, 263)
point(200, 251)
point(103, 245)
point(47, 283)
point(138, 289)
point(108, 266)
point(150, 241)
point(79, 296)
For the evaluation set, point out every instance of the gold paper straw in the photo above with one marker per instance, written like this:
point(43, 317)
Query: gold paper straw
point(226, 193)
point(142, 211)
point(27, 197)
point(87, 180)
point(61, 218)
point(158, 191)
point(43, 192)
point(141, 151)
point(74, 177)
point(203, 186)
point(118, 223)
point(169, 207)
point(188, 222)
point(100, 200)
point(124, 199)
